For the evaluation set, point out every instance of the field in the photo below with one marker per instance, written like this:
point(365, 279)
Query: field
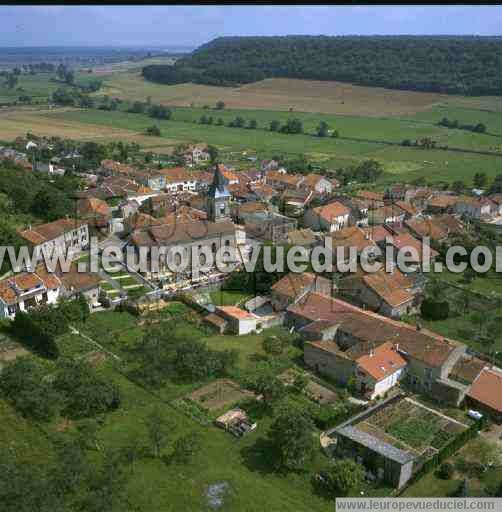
point(278, 94)
point(361, 138)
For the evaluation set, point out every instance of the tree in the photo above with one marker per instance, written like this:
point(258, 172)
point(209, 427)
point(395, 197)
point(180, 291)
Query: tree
point(219, 122)
point(273, 345)
point(322, 129)
point(158, 429)
point(220, 105)
point(445, 471)
point(274, 125)
point(335, 134)
point(458, 186)
point(132, 450)
point(291, 435)
point(186, 447)
point(88, 434)
point(300, 383)
point(213, 154)
point(480, 179)
point(159, 112)
point(87, 394)
point(265, 382)
point(24, 384)
point(137, 108)
point(252, 124)
point(153, 130)
point(343, 476)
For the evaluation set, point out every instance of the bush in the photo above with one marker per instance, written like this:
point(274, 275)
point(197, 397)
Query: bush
point(435, 310)
point(445, 471)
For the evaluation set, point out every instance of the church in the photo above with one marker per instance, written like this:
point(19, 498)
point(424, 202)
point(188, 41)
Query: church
point(185, 233)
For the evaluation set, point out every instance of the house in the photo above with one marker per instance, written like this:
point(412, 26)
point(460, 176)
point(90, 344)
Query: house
point(441, 203)
point(352, 236)
point(386, 215)
point(58, 237)
point(94, 211)
point(376, 199)
point(178, 179)
point(318, 184)
point(475, 207)
point(74, 283)
point(268, 225)
point(269, 165)
point(379, 371)
point(263, 192)
point(330, 217)
point(295, 201)
point(437, 227)
point(238, 321)
point(414, 250)
point(245, 210)
point(485, 394)
point(496, 199)
point(429, 356)
point(26, 290)
point(113, 168)
point(111, 188)
point(283, 181)
point(390, 294)
point(303, 238)
point(155, 181)
point(293, 286)
point(194, 155)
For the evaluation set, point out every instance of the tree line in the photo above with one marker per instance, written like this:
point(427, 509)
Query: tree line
point(451, 65)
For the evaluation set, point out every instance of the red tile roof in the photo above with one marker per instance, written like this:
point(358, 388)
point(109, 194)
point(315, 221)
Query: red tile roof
point(426, 346)
point(331, 211)
point(51, 230)
point(382, 362)
point(487, 388)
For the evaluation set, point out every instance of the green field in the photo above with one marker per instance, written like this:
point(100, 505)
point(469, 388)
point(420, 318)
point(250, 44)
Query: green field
point(361, 138)
point(158, 485)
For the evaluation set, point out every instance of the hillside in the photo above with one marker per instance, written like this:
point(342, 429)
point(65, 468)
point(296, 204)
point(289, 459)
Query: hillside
point(451, 65)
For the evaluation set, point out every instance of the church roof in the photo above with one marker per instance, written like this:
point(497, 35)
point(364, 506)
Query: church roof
point(218, 187)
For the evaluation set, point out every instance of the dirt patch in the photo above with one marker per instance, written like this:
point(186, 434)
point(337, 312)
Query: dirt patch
point(96, 358)
point(65, 424)
point(10, 351)
point(219, 394)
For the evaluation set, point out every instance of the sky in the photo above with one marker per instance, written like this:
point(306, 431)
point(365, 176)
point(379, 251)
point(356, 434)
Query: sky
point(170, 26)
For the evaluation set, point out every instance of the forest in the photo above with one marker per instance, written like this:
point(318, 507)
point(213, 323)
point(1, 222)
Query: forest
point(465, 65)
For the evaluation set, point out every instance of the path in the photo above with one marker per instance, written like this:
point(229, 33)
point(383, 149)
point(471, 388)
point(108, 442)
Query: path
point(90, 340)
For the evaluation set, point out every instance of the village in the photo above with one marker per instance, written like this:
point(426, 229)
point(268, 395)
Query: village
point(360, 334)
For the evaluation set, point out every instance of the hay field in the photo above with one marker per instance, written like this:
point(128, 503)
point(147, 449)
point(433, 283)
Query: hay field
point(16, 122)
point(278, 94)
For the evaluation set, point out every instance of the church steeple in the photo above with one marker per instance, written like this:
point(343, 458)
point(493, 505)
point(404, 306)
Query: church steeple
point(218, 197)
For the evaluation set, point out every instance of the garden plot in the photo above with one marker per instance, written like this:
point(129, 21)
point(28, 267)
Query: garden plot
point(409, 425)
point(219, 394)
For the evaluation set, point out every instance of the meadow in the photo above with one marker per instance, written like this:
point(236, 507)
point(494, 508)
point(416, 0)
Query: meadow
point(157, 484)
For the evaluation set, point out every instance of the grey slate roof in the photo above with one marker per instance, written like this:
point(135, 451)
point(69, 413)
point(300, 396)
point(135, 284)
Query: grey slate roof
point(375, 444)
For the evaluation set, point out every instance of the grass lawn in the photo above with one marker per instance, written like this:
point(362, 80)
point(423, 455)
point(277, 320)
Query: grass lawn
point(229, 297)
point(161, 484)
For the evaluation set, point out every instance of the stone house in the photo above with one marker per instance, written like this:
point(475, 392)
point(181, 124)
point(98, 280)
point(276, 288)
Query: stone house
point(330, 217)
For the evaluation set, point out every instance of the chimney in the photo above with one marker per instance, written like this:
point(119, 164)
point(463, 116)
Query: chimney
point(396, 347)
point(372, 351)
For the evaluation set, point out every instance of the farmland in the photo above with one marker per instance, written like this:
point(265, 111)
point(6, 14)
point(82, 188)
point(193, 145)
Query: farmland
point(360, 138)
point(158, 484)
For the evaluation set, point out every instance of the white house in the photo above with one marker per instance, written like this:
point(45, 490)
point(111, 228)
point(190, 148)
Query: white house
point(26, 290)
point(330, 217)
point(178, 179)
point(238, 321)
point(63, 236)
point(379, 371)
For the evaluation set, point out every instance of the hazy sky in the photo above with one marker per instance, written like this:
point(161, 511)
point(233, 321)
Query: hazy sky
point(193, 25)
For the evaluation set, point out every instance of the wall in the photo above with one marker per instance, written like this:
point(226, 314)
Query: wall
point(327, 363)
